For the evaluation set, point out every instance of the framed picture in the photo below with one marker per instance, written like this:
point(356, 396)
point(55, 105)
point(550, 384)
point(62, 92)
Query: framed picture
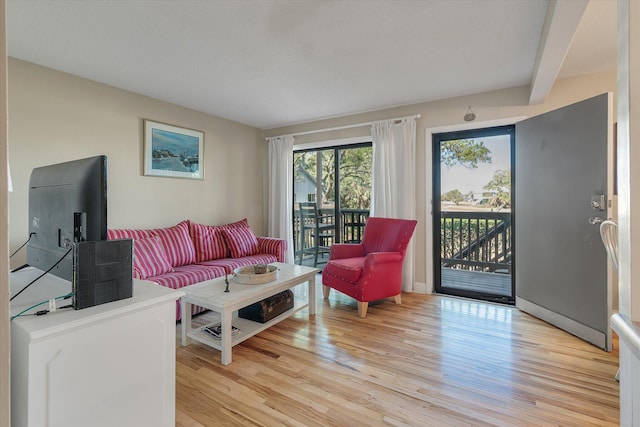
point(173, 151)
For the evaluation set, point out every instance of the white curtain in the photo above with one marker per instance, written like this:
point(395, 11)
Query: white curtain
point(281, 191)
point(393, 193)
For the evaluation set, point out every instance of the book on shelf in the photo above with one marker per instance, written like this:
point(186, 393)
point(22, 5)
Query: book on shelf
point(215, 330)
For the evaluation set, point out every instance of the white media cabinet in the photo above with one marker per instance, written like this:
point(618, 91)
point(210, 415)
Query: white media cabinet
point(108, 365)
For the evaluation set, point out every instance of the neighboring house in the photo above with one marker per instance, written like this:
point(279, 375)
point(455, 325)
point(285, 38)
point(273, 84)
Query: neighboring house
point(304, 186)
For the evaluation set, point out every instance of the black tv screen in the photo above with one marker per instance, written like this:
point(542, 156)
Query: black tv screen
point(67, 204)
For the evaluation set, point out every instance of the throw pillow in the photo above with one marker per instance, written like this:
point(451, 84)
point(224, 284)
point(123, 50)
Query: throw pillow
point(208, 242)
point(238, 224)
point(177, 244)
point(241, 241)
point(128, 233)
point(149, 258)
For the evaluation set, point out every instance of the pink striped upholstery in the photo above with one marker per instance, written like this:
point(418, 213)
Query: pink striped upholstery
point(208, 242)
point(273, 246)
point(177, 244)
point(241, 241)
point(238, 224)
point(149, 258)
point(263, 250)
point(127, 233)
point(176, 241)
point(188, 275)
point(232, 263)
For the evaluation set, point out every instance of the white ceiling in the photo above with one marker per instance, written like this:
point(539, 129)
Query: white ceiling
point(269, 63)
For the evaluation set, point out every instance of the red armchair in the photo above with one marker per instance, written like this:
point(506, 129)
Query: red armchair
point(371, 270)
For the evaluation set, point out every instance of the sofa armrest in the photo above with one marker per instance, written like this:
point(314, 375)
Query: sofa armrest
point(273, 246)
point(346, 250)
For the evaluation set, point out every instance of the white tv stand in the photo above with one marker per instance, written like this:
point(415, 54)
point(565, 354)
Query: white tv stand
point(108, 365)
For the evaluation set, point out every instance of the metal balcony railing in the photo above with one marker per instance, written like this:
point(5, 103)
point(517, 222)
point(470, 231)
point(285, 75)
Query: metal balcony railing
point(353, 221)
point(477, 241)
point(351, 224)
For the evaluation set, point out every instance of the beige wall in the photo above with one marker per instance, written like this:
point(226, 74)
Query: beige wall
point(55, 117)
point(489, 107)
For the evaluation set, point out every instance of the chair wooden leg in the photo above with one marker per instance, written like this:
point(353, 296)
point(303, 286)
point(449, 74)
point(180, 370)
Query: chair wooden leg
point(301, 251)
point(398, 299)
point(362, 309)
point(325, 291)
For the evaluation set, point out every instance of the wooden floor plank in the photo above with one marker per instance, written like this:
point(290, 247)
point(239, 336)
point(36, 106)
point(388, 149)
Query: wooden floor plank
point(431, 361)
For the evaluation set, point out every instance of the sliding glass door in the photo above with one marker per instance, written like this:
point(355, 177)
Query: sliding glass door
point(332, 198)
point(473, 217)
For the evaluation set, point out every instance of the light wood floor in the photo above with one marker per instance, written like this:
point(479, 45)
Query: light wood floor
point(432, 361)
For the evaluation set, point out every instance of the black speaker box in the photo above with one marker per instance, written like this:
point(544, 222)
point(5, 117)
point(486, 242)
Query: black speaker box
point(102, 272)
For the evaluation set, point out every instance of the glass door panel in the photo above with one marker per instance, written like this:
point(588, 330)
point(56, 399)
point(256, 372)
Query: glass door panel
point(473, 231)
point(314, 231)
point(332, 195)
point(354, 191)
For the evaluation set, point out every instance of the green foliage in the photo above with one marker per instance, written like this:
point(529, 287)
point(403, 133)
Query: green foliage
point(500, 188)
point(454, 196)
point(355, 166)
point(355, 178)
point(465, 152)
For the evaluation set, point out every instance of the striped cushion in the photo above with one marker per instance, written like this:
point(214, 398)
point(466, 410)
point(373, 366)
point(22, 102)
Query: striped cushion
point(230, 264)
point(238, 224)
point(127, 233)
point(177, 244)
point(188, 275)
point(272, 246)
point(208, 242)
point(149, 258)
point(241, 241)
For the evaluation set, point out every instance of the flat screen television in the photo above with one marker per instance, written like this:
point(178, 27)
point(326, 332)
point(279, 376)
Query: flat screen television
point(67, 204)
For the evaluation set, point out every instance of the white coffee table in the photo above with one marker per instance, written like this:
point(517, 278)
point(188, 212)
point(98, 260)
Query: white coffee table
point(211, 295)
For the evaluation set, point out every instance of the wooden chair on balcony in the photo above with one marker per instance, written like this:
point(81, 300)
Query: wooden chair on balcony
point(315, 234)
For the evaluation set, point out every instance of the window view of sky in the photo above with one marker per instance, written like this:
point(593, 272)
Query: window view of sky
point(467, 180)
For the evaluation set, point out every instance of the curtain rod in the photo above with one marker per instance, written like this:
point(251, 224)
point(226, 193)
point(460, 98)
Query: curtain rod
point(357, 125)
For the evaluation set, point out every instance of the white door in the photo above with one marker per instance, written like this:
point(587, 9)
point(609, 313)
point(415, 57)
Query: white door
point(560, 261)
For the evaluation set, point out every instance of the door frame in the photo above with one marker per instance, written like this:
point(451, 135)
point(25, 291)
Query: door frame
point(428, 167)
point(508, 129)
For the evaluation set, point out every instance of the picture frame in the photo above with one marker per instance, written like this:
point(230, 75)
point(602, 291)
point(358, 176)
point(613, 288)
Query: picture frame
point(173, 151)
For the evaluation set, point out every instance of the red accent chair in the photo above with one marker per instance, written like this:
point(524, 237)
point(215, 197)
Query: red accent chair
point(371, 270)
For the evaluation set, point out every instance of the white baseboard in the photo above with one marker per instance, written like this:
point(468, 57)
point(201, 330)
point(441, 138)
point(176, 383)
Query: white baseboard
point(421, 288)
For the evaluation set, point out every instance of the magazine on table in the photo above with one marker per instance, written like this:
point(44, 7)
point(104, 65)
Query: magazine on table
point(215, 330)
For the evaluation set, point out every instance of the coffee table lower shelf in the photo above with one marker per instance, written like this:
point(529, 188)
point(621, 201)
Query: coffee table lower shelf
point(248, 328)
point(225, 302)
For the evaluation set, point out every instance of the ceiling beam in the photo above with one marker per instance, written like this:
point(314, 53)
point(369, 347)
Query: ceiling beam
point(561, 23)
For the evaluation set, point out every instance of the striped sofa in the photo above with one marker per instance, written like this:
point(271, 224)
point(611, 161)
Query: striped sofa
point(189, 252)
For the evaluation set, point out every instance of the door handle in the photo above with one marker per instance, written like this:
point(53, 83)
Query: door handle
point(595, 220)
